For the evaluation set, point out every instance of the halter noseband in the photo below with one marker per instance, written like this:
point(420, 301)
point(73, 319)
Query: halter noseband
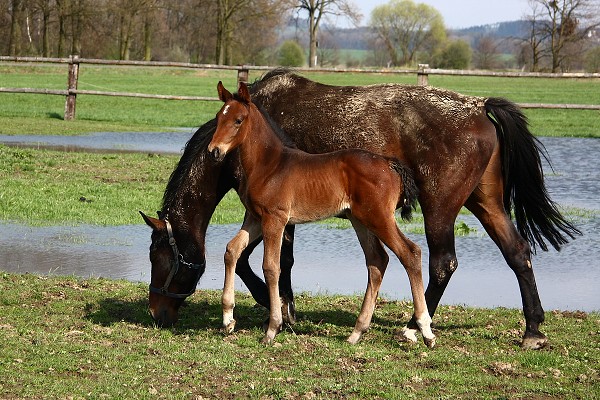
point(178, 260)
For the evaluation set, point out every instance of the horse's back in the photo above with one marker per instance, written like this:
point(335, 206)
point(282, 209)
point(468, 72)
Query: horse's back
point(445, 137)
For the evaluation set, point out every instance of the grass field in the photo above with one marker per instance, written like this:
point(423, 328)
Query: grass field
point(75, 338)
point(42, 114)
point(67, 337)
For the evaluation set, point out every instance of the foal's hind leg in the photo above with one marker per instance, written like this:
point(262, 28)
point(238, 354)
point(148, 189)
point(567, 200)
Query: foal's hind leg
point(385, 228)
point(377, 260)
point(249, 232)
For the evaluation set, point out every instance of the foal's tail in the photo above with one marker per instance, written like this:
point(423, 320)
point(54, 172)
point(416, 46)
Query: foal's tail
point(536, 215)
point(408, 197)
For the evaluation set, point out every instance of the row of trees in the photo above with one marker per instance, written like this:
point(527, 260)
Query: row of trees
point(401, 32)
point(209, 31)
point(204, 31)
point(556, 37)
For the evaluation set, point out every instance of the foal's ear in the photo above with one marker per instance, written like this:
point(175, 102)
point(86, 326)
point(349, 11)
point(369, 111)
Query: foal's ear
point(244, 93)
point(155, 224)
point(224, 94)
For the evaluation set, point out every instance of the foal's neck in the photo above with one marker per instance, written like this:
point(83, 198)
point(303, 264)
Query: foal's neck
point(262, 148)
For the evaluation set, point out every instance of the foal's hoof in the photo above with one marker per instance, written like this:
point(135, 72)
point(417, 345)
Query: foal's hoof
point(407, 335)
point(429, 342)
point(534, 341)
point(267, 341)
point(229, 327)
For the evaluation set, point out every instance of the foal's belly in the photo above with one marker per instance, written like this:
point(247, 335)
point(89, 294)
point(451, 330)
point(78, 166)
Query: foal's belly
point(302, 212)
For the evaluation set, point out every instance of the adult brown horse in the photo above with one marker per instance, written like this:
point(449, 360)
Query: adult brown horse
point(283, 185)
point(463, 150)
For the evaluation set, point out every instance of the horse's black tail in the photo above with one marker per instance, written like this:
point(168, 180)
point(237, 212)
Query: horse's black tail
point(536, 215)
point(408, 197)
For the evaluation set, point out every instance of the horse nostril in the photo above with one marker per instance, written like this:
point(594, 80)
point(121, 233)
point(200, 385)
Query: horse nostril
point(216, 153)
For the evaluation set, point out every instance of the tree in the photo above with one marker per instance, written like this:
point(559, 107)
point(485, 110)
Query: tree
point(317, 9)
point(456, 54)
point(562, 27)
point(486, 53)
point(406, 28)
point(234, 15)
point(592, 60)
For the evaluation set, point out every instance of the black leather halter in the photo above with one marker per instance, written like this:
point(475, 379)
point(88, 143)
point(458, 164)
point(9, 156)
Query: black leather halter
point(199, 268)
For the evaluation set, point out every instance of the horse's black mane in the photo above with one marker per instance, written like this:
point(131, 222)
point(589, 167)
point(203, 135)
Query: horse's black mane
point(195, 148)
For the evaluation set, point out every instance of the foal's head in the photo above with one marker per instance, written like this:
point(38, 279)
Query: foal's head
point(231, 127)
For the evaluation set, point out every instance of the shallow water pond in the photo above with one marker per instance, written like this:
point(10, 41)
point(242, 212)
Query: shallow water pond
point(329, 260)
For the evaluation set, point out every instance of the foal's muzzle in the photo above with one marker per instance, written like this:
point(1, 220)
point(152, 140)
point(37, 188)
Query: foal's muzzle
point(217, 154)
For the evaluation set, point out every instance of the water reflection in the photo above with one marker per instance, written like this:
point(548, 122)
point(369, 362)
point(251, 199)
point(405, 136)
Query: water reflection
point(146, 142)
point(327, 261)
point(566, 280)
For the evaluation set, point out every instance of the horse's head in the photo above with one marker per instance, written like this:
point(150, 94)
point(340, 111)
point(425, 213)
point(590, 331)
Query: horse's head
point(231, 130)
point(173, 276)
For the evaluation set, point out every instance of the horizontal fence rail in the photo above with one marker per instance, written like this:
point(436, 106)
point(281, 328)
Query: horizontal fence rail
point(422, 73)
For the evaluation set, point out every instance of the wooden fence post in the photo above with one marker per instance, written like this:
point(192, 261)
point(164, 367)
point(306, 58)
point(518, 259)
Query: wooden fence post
point(71, 88)
point(422, 76)
point(242, 75)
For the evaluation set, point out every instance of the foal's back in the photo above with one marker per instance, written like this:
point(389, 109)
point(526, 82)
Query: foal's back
point(318, 186)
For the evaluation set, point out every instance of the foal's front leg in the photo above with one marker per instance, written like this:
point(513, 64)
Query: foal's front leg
point(249, 232)
point(272, 236)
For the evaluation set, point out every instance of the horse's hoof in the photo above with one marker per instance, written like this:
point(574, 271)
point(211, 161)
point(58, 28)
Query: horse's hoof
point(407, 335)
point(288, 312)
point(429, 342)
point(534, 342)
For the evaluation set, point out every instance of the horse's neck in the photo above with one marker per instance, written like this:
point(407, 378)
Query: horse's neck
point(195, 199)
point(262, 148)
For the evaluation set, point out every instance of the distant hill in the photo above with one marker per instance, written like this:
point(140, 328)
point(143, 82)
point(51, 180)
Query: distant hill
point(359, 38)
point(508, 29)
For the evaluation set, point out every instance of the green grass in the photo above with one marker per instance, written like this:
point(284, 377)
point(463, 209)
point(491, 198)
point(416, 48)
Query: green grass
point(42, 114)
point(45, 187)
point(65, 337)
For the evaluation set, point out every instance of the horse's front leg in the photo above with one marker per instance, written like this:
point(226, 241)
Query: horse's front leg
point(249, 232)
point(272, 236)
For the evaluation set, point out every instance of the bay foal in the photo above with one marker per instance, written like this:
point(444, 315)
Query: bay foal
point(282, 185)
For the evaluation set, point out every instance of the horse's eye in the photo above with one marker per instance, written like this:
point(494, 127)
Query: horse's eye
point(238, 121)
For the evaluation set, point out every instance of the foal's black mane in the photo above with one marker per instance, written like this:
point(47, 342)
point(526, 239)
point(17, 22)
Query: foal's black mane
point(195, 148)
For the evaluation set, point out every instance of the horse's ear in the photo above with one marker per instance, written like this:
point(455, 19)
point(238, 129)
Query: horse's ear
point(154, 223)
point(243, 92)
point(224, 94)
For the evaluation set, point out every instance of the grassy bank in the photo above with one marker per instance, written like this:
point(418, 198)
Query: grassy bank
point(92, 338)
point(46, 187)
point(43, 187)
point(42, 114)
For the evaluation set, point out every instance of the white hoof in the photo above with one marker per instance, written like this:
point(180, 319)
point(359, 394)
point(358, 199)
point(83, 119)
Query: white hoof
point(409, 335)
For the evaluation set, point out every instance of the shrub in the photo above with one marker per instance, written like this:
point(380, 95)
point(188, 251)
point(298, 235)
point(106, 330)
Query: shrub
point(291, 54)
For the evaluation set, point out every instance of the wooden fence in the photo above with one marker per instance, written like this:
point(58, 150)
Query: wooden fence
point(422, 75)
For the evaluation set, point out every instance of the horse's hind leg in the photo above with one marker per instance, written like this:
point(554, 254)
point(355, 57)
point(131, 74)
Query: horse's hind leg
point(249, 232)
point(488, 208)
point(377, 260)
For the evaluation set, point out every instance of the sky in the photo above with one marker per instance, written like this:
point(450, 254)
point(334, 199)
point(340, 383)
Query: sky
point(462, 13)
